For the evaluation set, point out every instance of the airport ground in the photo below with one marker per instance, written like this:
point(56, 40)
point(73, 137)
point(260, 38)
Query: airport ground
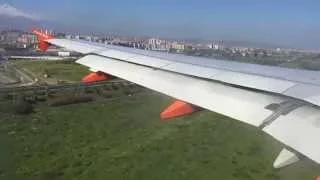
point(17, 73)
point(52, 72)
point(121, 137)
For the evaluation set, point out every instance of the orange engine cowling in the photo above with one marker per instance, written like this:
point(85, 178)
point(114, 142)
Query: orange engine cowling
point(178, 108)
point(95, 77)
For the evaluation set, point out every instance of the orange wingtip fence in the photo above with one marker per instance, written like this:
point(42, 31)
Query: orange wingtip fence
point(43, 36)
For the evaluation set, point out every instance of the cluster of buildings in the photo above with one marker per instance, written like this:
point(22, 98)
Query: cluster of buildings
point(219, 46)
point(155, 44)
point(165, 45)
point(19, 44)
point(20, 39)
point(17, 39)
point(250, 52)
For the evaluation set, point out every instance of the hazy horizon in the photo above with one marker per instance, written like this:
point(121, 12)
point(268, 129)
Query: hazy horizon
point(285, 23)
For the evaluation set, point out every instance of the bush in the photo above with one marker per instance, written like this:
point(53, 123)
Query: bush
point(88, 90)
point(107, 94)
point(70, 99)
point(5, 96)
point(30, 99)
point(23, 107)
point(114, 86)
point(41, 98)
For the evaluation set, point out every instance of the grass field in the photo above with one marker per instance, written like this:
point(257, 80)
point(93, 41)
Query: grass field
point(57, 70)
point(124, 139)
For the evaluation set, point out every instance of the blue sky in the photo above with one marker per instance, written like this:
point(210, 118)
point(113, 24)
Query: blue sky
point(284, 22)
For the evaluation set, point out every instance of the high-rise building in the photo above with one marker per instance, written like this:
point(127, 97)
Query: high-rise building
point(178, 46)
point(26, 40)
point(11, 37)
point(158, 44)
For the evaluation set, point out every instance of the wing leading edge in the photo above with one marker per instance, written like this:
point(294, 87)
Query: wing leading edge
point(299, 84)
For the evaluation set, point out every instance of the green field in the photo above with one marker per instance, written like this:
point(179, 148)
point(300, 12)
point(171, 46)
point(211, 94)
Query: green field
point(57, 70)
point(124, 139)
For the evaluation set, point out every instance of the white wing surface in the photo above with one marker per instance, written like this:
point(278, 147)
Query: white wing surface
point(282, 102)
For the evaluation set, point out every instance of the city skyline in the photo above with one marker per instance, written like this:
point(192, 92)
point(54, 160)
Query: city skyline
point(284, 23)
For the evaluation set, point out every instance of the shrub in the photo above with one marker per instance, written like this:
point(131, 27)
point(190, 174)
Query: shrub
point(108, 94)
point(5, 96)
point(115, 86)
point(23, 107)
point(70, 99)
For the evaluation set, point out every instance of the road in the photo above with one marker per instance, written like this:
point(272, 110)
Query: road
point(24, 78)
point(6, 76)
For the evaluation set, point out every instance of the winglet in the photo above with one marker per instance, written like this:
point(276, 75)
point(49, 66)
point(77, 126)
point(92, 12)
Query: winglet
point(43, 36)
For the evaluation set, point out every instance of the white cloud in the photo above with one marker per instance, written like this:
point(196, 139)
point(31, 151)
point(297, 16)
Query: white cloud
point(8, 10)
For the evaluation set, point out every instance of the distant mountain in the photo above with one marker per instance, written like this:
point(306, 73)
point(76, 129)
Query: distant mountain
point(8, 10)
point(22, 23)
point(230, 43)
point(8, 22)
point(13, 18)
point(250, 44)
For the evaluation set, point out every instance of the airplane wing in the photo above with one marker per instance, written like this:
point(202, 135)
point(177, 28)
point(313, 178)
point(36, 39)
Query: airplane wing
point(281, 102)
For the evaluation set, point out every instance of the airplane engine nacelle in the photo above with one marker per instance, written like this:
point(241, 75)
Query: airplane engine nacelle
point(96, 77)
